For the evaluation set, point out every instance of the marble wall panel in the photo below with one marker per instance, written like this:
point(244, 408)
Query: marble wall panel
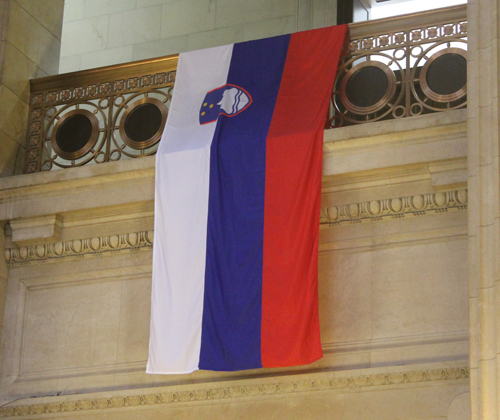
point(82, 324)
point(155, 28)
point(73, 10)
point(147, 3)
point(420, 289)
point(346, 301)
point(70, 63)
point(160, 47)
point(135, 307)
point(107, 7)
point(68, 326)
point(324, 13)
point(395, 290)
point(215, 37)
point(83, 36)
point(237, 12)
point(269, 27)
point(187, 16)
point(100, 58)
point(134, 27)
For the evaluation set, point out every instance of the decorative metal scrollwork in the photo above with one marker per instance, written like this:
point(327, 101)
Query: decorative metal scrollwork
point(368, 87)
point(391, 75)
point(99, 120)
point(139, 123)
point(443, 77)
point(119, 112)
point(74, 135)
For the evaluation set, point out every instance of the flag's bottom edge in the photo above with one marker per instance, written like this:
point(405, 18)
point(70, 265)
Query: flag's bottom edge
point(293, 363)
point(263, 366)
point(158, 372)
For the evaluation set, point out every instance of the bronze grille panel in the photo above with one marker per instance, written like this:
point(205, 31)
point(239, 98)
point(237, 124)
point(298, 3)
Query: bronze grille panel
point(99, 115)
point(425, 67)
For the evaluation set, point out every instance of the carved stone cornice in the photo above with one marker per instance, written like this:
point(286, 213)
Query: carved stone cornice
point(241, 391)
point(391, 208)
point(394, 208)
point(79, 247)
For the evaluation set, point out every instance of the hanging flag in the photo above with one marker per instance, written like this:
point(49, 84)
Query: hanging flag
point(238, 179)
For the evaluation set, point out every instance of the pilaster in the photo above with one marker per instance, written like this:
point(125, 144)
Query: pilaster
point(484, 198)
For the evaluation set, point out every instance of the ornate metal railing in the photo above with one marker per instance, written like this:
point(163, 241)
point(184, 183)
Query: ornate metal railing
point(400, 67)
point(416, 65)
point(99, 115)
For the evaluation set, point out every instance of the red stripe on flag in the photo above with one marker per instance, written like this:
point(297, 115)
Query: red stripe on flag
point(290, 321)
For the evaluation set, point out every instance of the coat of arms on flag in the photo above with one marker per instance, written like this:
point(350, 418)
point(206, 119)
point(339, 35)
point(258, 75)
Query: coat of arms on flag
point(229, 100)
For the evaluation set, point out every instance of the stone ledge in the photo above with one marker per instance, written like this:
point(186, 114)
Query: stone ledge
point(280, 386)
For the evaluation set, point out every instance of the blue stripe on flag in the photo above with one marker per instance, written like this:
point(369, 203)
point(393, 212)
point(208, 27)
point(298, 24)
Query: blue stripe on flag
point(231, 327)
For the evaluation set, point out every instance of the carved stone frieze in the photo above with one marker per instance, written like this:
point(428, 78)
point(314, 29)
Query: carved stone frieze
point(281, 388)
point(393, 208)
point(79, 247)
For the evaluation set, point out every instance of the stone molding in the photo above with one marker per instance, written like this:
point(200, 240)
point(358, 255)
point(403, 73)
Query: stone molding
point(395, 208)
point(390, 208)
point(284, 387)
point(78, 248)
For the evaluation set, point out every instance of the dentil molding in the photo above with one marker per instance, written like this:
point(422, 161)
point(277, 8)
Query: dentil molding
point(241, 391)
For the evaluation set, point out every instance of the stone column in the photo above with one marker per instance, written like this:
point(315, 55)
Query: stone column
point(30, 41)
point(484, 212)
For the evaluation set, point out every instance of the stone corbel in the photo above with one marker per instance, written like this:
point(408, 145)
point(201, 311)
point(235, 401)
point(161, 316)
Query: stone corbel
point(40, 229)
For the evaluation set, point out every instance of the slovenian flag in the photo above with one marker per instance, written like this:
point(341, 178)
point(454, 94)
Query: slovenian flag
point(238, 179)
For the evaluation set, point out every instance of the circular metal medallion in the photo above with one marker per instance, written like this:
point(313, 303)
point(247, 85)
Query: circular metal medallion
point(367, 87)
point(75, 134)
point(444, 75)
point(142, 124)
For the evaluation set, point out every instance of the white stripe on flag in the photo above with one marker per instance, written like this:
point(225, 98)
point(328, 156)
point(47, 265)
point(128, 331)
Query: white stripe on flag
point(182, 183)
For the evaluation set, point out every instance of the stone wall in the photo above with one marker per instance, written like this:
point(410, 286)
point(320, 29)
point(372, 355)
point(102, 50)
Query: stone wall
point(103, 32)
point(30, 33)
point(393, 290)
